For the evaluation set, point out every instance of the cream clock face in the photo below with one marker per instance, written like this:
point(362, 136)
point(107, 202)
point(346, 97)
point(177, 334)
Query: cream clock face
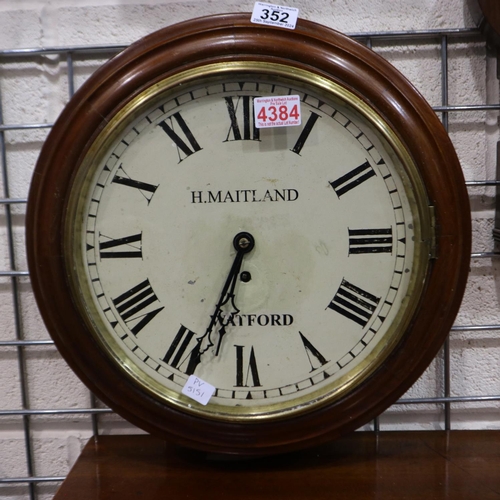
point(276, 264)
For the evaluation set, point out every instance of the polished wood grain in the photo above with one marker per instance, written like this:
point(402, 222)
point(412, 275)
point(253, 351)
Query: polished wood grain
point(231, 37)
point(387, 466)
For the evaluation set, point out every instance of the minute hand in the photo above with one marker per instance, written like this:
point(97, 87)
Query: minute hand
point(243, 243)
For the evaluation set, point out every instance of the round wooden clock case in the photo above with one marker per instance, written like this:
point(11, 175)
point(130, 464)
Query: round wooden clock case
point(310, 273)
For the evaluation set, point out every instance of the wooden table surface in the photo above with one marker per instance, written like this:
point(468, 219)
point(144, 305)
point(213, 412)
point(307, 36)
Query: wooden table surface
point(363, 465)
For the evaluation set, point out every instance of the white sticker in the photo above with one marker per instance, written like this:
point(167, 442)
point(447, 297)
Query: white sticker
point(277, 111)
point(275, 15)
point(198, 389)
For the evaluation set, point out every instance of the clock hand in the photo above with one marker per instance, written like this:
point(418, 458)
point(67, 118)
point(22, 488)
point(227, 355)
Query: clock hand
point(226, 296)
point(243, 243)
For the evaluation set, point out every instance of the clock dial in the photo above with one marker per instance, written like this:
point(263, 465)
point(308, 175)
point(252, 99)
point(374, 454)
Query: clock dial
point(278, 264)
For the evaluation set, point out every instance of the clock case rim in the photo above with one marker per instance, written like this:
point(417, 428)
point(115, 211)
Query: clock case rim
point(229, 37)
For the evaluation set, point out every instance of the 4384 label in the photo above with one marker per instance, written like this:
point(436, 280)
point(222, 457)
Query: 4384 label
point(277, 111)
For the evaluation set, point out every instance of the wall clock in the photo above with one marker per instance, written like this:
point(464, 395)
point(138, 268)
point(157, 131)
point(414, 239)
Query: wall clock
point(309, 273)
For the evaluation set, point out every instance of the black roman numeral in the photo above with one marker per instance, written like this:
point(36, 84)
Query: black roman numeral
point(354, 303)
point(131, 247)
point(352, 179)
point(183, 148)
point(242, 375)
point(146, 190)
point(243, 110)
point(311, 351)
point(133, 306)
point(370, 240)
point(313, 117)
point(178, 356)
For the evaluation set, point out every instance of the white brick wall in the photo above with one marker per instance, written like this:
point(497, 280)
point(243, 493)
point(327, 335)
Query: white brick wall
point(35, 92)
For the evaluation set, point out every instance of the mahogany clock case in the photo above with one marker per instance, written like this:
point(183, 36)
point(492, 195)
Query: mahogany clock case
point(226, 38)
point(490, 24)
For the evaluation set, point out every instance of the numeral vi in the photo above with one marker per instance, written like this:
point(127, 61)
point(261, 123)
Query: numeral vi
point(246, 371)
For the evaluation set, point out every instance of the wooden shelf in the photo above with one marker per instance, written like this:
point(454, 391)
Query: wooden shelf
point(363, 465)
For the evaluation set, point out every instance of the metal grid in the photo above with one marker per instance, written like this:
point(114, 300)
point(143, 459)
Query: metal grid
point(15, 277)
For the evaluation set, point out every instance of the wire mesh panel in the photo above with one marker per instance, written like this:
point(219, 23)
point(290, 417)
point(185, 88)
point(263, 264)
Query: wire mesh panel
point(45, 411)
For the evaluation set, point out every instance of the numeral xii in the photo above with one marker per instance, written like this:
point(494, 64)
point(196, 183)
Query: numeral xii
point(241, 111)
